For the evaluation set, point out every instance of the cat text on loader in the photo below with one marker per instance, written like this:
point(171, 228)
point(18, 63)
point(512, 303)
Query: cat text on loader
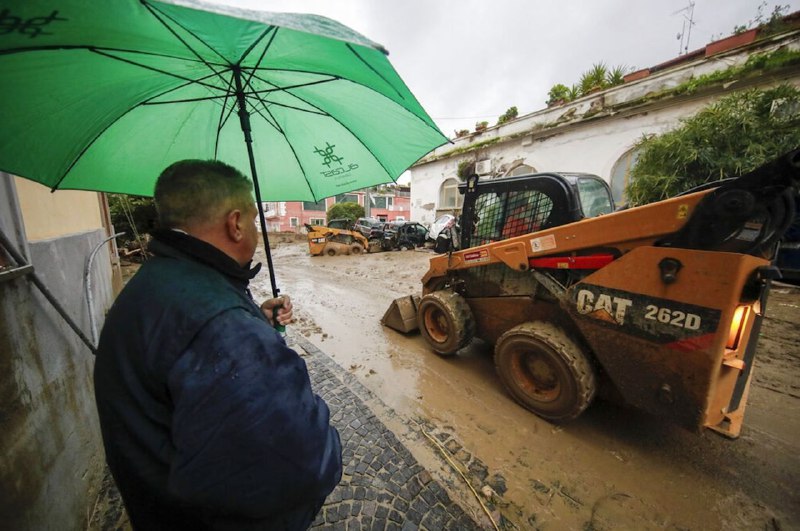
point(657, 306)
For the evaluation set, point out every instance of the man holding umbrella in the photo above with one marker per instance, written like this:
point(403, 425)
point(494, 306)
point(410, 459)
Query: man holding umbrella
point(208, 418)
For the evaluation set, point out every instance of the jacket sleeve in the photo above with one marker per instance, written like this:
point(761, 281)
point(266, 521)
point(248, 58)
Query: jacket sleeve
point(250, 437)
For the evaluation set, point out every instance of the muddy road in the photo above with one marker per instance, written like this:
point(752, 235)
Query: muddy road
point(613, 468)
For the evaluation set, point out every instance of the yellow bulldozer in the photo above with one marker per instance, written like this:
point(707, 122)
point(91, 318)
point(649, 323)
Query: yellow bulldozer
point(658, 307)
point(338, 237)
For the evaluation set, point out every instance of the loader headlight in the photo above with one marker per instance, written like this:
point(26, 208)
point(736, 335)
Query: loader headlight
point(736, 327)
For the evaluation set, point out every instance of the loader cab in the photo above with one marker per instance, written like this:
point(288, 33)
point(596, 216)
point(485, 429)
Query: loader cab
point(499, 209)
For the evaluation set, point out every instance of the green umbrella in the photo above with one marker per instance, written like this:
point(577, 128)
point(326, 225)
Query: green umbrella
point(104, 95)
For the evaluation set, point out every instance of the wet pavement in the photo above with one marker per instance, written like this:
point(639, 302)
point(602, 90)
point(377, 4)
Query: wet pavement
point(383, 486)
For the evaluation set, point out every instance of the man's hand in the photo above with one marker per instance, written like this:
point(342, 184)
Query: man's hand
point(284, 312)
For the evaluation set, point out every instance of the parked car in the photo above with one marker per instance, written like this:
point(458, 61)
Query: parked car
point(406, 235)
point(393, 235)
point(442, 222)
point(364, 225)
point(378, 230)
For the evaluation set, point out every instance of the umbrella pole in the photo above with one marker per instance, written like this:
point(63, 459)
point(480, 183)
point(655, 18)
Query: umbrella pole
point(244, 120)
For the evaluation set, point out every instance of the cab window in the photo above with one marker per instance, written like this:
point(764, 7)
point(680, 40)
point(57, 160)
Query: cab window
point(594, 196)
point(488, 218)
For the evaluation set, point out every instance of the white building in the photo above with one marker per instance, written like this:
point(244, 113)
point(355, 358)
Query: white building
point(597, 133)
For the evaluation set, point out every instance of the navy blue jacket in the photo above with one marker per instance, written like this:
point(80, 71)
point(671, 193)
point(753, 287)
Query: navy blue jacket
point(208, 418)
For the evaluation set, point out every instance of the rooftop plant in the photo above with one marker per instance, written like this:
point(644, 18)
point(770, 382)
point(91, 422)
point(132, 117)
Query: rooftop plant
point(598, 77)
point(509, 115)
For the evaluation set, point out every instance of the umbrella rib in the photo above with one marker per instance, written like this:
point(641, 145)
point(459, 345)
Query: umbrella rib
point(223, 117)
point(223, 95)
point(271, 120)
point(248, 84)
point(288, 143)
point(322, 112)
point(158, 16)
point(227, 94)
point(90, 47)
point(292, 107)
point(153, 69)
point(263, 52)
point(349, 81)
point(299, 85)
point(358, 56)
point(86, 148)
point(277, 88)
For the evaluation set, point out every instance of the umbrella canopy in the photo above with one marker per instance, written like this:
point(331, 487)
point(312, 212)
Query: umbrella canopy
point(104, 95)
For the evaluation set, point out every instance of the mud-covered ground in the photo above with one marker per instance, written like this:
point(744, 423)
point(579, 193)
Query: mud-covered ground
point(613, 468)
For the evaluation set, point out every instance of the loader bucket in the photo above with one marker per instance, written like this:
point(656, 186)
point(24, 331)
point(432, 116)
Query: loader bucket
point(402, 314)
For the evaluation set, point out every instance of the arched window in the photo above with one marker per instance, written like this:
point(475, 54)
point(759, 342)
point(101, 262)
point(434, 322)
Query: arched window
point(620, 174)
point(449, 196)
point(522, 169)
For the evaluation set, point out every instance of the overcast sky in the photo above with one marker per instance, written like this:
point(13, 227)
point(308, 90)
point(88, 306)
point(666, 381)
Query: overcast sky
point(470, 60)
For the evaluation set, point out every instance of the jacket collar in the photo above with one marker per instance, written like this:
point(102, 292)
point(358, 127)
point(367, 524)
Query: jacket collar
point(178, 244)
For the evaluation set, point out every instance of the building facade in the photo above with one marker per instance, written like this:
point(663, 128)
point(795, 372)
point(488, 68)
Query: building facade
point(384, 204)
point(597, 133)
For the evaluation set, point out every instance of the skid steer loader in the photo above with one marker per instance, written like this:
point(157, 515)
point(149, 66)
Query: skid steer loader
point(657, 306)
point(338, 237)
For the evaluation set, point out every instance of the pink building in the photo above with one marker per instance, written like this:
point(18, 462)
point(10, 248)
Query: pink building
point(391, 204)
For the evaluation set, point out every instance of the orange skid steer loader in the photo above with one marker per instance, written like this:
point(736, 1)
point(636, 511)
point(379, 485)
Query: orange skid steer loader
point(657, 306)
point(338, 237)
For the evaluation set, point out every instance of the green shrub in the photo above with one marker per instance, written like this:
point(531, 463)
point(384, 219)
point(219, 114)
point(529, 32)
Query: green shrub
point(728, 138)
point(346, 210)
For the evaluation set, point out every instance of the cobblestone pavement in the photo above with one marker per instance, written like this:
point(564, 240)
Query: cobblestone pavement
point(383, 486)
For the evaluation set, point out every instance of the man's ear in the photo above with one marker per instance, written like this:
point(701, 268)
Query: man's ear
point(233, 225)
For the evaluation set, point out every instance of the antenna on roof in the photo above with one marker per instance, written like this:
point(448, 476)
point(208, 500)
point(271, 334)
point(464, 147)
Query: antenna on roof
point(688, 20)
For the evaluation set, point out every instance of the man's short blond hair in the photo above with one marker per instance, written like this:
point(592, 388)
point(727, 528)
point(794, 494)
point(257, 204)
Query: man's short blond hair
point(191, 193)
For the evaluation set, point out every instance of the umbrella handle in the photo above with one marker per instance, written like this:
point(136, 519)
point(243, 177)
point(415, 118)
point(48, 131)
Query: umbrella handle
point(281, 329)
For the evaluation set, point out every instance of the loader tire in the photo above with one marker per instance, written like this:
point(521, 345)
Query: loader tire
point(545, 371)
point(330, 251)
point(356, 248)
point(445, 321)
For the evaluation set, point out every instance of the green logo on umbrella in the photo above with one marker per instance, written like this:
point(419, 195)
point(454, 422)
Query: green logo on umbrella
point(327, 155)
point(32, 26)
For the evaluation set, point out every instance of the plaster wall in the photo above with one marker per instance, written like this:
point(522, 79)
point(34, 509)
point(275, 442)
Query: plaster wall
point(591, 148)
point(50, 441)
point(48, 215)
